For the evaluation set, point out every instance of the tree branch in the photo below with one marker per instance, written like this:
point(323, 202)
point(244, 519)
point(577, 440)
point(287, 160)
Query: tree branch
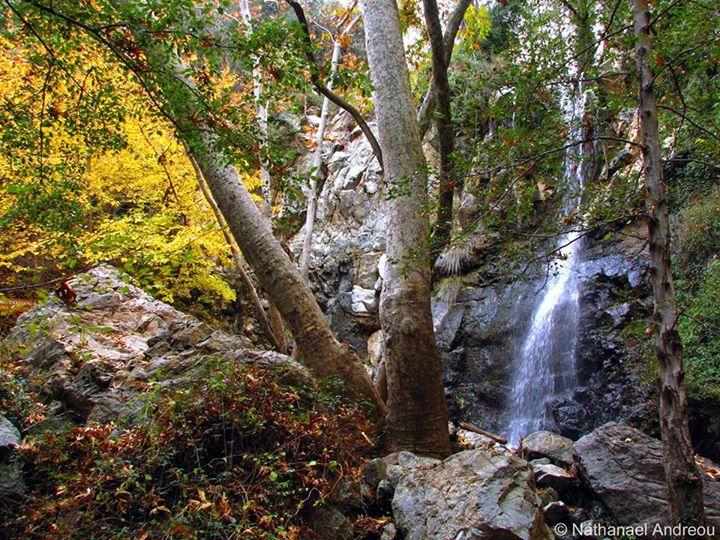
point(325, 91)
point(424, 115)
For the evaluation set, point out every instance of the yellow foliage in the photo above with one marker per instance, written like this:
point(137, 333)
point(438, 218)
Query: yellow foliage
point(141, 207)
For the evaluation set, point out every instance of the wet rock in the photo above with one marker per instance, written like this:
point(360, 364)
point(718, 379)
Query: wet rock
point(545, 444)
point(471, 495)
point(549, 475)
point(12, 484)
point(624, 468)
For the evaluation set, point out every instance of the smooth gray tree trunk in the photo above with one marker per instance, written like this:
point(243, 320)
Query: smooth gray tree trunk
point(417, 412)
point(267, 329)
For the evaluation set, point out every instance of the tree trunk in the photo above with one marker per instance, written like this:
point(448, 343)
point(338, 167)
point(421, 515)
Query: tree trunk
point(261, 117)
point(684, 481)
point(317, 346)
point(446, 132)
point(417, 419)
point(269, 192)
point(317, 162)
point(425, 112)
point(278, 342)
point(279, 277)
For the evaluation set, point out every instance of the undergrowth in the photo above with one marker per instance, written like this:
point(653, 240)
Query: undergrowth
point(700, 331)
point(236, 454)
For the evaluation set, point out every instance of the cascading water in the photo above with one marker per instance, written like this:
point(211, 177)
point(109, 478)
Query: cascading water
point(545, 362)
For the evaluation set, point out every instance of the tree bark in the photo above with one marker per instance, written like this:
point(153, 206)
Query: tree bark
point(427, 107)
point(417, 417)
point(261, 117)
point(446, 132)
point(270, 192)
point(279, 343)
point(684, 480)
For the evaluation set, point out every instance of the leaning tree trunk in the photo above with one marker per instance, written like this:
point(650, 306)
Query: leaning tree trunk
point(279, 277)
point(269, 193)
point(278, 341)
point(417, 412)
point(318, 348)
point(684, 481)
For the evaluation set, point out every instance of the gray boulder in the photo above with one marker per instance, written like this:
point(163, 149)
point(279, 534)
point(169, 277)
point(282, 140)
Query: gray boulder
point(97, 356)
point(472, 495)
point(624, 468)
point(9, 434)
point(12, 485)
point(545, 444)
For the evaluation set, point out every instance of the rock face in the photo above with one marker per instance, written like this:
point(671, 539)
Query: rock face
point(349, 238)
point(482, 313)
point(12, 485)
point(624, 468)
point(472, 495)
point(479, 326)
point(94, 357)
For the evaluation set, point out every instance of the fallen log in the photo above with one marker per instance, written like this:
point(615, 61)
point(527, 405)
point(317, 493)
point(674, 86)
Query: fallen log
point(472, 427)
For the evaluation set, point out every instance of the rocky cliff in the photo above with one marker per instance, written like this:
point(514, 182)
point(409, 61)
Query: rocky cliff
point(482, 312)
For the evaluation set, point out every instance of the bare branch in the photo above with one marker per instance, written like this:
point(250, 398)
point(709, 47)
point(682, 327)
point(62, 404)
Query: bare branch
point(325, 91)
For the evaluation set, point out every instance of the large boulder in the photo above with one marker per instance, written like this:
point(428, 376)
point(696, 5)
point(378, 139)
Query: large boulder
point(95, 356)
point(472, 495)
point(546, 444)
point(624, 467)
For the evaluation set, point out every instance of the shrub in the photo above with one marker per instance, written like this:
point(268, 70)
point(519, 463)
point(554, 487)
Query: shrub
point(700, 331)
point(699, 233)
point(236, 454)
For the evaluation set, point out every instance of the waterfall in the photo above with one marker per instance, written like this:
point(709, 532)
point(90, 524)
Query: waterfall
point(544, 366)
